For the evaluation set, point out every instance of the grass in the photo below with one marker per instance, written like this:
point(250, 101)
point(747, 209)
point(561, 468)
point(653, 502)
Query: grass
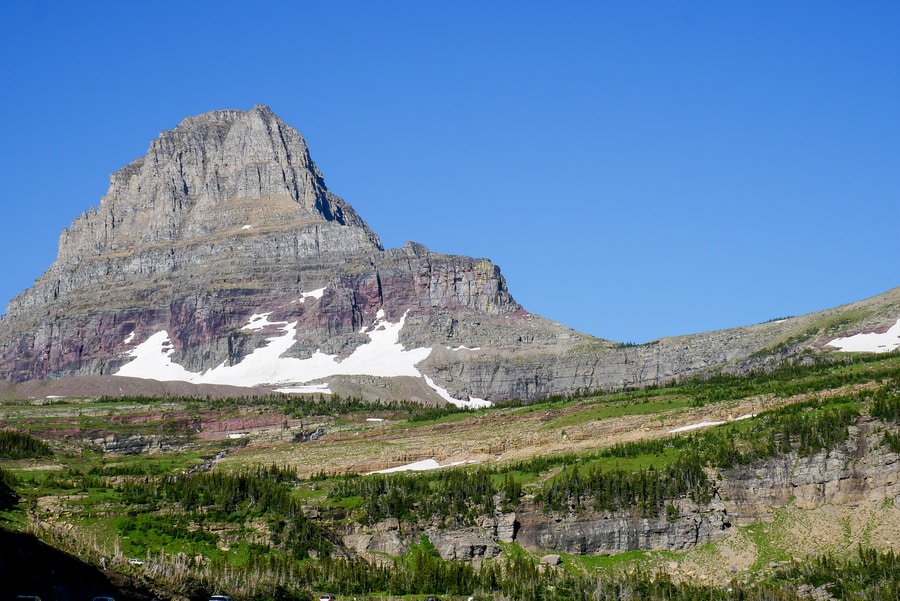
point(618, 562)
point(638, 462)
point(526, 479)
point(143, 465)
point(603, 409)
point(772, 540)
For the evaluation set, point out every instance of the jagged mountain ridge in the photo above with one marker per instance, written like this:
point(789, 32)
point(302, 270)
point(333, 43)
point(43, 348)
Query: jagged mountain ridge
point(226, 219)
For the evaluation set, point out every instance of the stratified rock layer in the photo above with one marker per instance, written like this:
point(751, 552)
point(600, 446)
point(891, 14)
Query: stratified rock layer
point(227, 217)
point(858, 470)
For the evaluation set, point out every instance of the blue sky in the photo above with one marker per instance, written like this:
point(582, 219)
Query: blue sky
point(636, 169)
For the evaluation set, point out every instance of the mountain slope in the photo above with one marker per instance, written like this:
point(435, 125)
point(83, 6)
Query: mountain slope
point(715, 480)
point(220, 257)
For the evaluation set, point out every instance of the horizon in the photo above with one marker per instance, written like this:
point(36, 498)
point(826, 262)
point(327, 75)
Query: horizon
point(636, 172)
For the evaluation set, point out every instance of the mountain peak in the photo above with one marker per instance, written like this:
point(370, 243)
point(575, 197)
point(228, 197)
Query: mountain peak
point(220, 257)
point(215, 172)
point(210, 197)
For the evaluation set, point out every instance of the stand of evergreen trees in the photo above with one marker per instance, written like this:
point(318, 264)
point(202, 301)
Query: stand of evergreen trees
point(8, 495)
point(19, 445)
point(647, 490)
point(458, 495)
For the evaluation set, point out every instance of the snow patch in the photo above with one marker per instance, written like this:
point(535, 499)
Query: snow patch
point(870, 343)
point(695, 426)
point(129, 338)
point(382, 356)
point(419, 466)
point(151, 360)
point(316, 294)
point(463, 348)
point(708, 424)
point(471, 403)
point(305, 389)
point(259, 321)
point(247, 227)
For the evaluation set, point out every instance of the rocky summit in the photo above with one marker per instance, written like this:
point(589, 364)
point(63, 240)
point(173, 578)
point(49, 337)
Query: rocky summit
point(221, 258)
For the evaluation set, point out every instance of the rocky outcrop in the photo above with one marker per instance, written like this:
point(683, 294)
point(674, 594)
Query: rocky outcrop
point(382, 541)
point(139, 444)
point(464, 545)
point(861, 469)
point(618, 532)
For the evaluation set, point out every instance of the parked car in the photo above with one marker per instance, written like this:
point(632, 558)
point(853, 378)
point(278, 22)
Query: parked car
point(220, 598)
point(104, 599)
point(326, 598)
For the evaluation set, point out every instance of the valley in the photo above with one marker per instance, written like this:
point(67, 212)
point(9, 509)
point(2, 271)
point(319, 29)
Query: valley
point(713, 483)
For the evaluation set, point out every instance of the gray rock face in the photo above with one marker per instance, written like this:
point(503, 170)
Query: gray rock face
point(214, 173)
point(616, 533)
point(861, 469)
point(386, 543)
point(222, 190)
point(464, 545)
point(138, 445)
point(227, 216)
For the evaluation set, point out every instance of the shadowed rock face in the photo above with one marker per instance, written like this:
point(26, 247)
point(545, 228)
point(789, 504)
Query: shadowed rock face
point(227, 216)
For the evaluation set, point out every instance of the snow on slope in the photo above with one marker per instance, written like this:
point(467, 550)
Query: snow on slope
point(690, 427)
point(382, 356)
point(420, 466)
point(870, 343)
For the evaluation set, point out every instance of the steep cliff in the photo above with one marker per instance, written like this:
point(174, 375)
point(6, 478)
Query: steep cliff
point(227, 217)
point(858, 473)
point(861, 469)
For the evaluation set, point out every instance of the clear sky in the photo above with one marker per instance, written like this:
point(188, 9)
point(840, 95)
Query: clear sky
point(637, 169)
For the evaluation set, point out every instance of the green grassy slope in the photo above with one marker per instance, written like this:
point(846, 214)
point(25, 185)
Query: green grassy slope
point(226, 497)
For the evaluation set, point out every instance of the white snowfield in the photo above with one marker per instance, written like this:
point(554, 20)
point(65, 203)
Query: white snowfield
point(420, 466)
point(316, 294)
point(305, 389)
point(382, 356)
point(698, 425)
point(870, 343)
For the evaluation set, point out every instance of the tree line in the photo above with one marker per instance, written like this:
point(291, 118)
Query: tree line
point(20, 445)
